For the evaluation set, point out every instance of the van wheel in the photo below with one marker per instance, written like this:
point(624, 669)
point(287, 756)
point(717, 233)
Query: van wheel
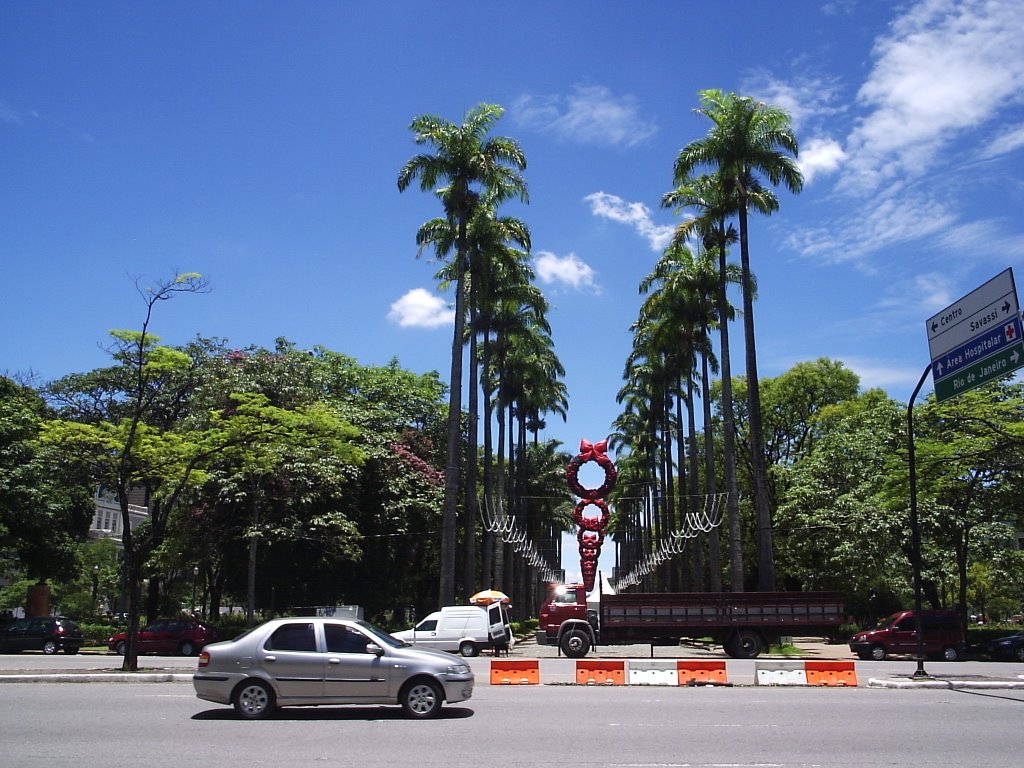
point(950, 653)
point(468, 649)
point(575, 644)
point(878, 652)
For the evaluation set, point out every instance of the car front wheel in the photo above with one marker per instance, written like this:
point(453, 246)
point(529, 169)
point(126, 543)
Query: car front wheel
point(878, 653)
point(254, 700)
point(421, 699)
point(121, 648)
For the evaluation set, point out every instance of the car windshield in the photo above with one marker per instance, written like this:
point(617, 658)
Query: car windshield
point(380, 636)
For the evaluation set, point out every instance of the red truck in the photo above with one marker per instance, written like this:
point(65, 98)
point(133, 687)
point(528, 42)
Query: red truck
point(744, 623)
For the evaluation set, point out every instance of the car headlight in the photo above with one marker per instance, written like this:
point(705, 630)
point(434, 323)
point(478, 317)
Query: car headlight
point(458, 669)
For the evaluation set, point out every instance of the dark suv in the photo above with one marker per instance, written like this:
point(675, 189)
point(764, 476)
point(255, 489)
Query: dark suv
point(48, 634)
point(166, 636)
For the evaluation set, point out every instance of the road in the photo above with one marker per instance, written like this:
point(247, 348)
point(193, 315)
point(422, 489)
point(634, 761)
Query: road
point(114, 725)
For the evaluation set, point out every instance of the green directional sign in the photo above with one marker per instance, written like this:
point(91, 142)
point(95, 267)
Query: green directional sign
point(992, 367)
point(977, 339)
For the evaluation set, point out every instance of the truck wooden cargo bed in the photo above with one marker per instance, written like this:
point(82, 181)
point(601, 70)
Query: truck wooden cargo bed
point(711, 610)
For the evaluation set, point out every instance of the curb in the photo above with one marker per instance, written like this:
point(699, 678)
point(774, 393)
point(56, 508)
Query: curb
point(101, 677)
point(956, 685)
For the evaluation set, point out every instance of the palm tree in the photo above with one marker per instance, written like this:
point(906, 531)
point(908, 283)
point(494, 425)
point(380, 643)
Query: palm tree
point(747, 138)
point(468, 162)
point(714, 205)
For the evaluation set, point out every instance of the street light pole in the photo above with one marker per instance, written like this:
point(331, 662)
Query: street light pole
point(95, 586)
point(195, 575)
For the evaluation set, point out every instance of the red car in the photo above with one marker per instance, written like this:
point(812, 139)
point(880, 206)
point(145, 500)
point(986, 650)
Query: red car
point(167, 636)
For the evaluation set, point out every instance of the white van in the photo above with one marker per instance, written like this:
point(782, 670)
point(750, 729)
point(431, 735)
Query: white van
point(465, 629)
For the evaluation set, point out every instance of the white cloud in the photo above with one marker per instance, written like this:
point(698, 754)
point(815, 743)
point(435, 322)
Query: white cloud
point(636, 215)
point(893, 377)
point(568, 270)
point(1004, 143)
point(419, 308)
point(820, 156)
point(804, 98)
point(882, 222)
point(590, 115)
point(944, 69)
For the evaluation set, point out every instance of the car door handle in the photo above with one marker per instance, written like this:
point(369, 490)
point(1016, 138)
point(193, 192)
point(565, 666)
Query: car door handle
point(334, 660)
point(270, 658)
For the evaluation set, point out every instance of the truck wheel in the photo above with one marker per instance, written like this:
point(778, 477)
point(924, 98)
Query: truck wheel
point(468, 649)
point(744, 644)
point(575, 644)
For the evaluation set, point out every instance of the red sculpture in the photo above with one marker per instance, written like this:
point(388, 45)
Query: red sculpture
point(591, 533)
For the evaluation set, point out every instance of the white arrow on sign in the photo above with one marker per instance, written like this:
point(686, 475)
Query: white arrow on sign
point(993, 302)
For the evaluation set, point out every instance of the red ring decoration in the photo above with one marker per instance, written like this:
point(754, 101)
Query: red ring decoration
point(591, 523)
point(596, 453)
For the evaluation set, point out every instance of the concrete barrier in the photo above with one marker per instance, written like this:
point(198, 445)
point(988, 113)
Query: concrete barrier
point(702, 672)
point(600, 672)
point(654, 672)
point(515, 672)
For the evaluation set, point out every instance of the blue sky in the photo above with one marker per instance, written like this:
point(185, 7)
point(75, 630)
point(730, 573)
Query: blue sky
point(259, 143)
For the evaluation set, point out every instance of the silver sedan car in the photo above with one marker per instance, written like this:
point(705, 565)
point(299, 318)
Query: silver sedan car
point(310, 661)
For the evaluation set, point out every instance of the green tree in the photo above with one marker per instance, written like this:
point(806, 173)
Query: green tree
point(469, 163)
point(748, 138)
point(45, 504)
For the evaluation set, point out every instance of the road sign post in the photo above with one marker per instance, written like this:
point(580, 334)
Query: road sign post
point(973, 341)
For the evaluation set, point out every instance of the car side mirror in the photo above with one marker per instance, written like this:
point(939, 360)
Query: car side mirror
point(375, 649)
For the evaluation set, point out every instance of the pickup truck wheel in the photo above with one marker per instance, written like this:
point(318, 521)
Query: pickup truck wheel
point(744, 644)
point(575, 644)
point(878, 652)
point(468, 649)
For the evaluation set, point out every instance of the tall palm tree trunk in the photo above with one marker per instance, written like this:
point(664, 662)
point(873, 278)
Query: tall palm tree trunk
point(729, 433)
point(765, 555)
point(449, 515)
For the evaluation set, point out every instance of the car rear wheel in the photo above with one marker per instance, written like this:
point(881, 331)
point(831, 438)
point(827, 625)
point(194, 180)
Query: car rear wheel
point(950, 653)
point(254, 700)
point(49, 647)
point(421, 699)
point(878, 652)
point(468, 649)
point(187, 648)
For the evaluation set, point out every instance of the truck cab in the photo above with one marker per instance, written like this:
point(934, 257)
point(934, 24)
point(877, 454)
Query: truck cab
point(566, 620)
